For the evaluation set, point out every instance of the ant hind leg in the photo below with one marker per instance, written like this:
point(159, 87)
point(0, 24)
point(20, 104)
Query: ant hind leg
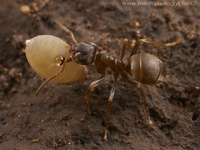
point(141, 41)
point(123, 50)
point(110, 100)
point(145, 103)
point(142, 96)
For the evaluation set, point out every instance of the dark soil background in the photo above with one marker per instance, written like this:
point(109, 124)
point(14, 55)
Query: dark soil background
point(56, 119)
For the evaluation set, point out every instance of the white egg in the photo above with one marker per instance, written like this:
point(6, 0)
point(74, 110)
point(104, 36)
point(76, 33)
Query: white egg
point(45, 54)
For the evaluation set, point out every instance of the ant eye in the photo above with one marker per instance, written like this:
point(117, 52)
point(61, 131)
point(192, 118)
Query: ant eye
point(59, 60)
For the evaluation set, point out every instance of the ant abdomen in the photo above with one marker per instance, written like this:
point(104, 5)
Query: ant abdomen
point(147, 69)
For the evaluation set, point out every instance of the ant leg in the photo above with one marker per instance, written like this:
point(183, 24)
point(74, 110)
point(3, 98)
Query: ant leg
point(123, 48)
point(112, 93)
point(92, 86)
point(140, 41)
point(145, 103)
point(142, 96)
point(135, 47)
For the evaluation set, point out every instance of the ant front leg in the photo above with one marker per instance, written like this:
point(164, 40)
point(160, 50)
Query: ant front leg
point(92, 86)
point(141, 41)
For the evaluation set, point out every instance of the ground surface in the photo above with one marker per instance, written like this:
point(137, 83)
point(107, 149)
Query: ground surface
point(56, 119)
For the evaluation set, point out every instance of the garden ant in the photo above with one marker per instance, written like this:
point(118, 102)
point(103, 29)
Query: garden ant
point(141, 68)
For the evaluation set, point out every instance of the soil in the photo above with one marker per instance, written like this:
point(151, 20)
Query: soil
point(56, 119)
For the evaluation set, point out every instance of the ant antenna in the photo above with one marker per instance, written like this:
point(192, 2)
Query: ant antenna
point(53, 76)
point(66, 60)
point(66, 30)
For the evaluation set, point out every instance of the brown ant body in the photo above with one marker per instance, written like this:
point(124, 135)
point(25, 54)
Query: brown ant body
point(142, 68)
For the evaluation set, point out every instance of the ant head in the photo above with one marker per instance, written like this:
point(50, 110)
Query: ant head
point(84, 53)
point(81, 53)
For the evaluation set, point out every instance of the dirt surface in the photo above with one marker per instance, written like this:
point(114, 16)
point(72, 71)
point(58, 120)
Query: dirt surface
point(56, 119)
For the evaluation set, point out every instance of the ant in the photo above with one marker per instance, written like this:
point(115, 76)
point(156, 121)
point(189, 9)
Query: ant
point(141, 68)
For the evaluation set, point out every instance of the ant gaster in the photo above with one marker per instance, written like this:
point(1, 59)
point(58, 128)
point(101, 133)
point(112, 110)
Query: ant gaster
point(142, 68)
